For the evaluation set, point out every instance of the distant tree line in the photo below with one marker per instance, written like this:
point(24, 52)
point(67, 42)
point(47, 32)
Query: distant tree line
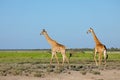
point(113, 49)
point(71, 49)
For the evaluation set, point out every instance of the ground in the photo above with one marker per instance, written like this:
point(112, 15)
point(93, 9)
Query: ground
point(73, 75)
point(36, 71)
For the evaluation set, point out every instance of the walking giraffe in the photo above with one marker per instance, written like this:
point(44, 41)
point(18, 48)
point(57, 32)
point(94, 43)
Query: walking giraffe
point(55, 47)
point(99, 48)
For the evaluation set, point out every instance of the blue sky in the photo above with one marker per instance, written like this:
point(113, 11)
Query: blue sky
point(66, 21)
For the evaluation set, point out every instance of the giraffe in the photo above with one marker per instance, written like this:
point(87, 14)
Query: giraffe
point(99, 48)
point(55, 48)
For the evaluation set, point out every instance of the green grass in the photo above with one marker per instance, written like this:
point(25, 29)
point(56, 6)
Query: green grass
point(23, 56)
point(44, 57)
point(114, 56)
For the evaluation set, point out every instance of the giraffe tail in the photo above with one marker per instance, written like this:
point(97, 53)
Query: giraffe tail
point(105, 53)
point(70, 55)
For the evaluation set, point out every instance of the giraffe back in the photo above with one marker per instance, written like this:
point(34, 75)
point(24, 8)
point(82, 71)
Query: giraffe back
point(100, 48)
point(58, 48)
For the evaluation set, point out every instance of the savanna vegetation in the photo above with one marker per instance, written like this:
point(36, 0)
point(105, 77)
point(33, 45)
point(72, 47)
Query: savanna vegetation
point(36, 62)
point(43, 56)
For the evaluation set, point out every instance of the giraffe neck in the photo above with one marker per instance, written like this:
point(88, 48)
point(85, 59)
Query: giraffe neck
point(50, 41)
point(95, 38)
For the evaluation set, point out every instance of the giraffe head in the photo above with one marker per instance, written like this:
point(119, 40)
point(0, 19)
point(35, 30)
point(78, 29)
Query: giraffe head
point(43, 32)
point(90, 30)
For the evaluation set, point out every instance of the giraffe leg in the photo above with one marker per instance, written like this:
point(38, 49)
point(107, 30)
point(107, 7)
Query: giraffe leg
point(63, 59)
point(56, 58)
point(105, 56)
point(52, 58)
point(105, 61)
point(95, 59)
point(63, 56)
point(67, 60)
point(100, 58)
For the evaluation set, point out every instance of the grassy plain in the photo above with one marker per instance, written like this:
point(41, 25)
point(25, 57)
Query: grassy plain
point(36, 64)
point(44, 56)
